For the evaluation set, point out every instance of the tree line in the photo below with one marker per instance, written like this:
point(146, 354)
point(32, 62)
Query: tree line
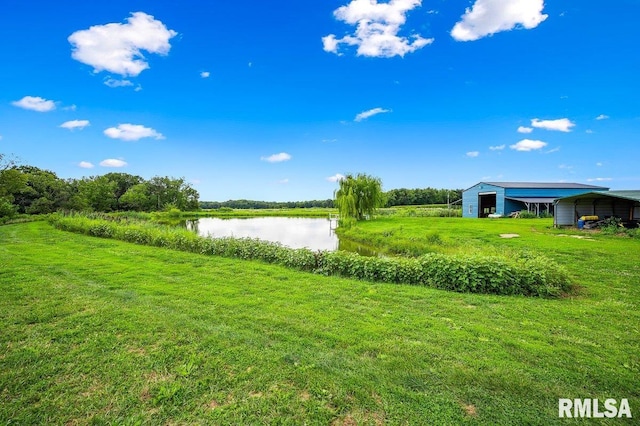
point(31, 190)
point(27, 189)
point(252, 204)
point(421, 196)
point(394, 197)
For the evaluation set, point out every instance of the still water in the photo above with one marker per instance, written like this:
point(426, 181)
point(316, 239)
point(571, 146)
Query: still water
point(293, 232)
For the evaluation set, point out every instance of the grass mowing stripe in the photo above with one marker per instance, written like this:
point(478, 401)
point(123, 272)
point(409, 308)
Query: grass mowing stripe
point(100, 331)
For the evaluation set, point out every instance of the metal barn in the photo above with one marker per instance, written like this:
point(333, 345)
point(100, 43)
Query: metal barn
point(622, 204)
point(504, 198)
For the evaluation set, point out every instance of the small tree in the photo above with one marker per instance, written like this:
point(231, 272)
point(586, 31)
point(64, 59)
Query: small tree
point(359, 196)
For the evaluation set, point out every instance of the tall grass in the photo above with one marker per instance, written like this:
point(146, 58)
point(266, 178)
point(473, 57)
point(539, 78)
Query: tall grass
point(527, 274)
point(420, 211)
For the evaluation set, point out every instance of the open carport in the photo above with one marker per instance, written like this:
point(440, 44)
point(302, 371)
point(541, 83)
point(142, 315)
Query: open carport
point(603, 204)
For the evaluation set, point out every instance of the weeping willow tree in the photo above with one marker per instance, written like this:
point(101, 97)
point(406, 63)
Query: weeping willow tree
point(358, 196)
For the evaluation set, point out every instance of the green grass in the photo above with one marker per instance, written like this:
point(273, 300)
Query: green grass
point(520, 273)
point(417, 235)
point(97, 331)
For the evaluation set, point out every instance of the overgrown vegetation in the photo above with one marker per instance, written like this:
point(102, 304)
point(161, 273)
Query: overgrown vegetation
point(526, 274)
point(420, 211)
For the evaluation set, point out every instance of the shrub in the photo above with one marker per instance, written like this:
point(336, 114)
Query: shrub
point(612, 226)
point(524, 214)
point(7, 209)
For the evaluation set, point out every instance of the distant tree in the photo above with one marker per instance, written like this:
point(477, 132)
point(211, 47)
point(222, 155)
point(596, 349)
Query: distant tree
point(166, 191)
point(359, 196)
point(420, 196)
point(251, 204)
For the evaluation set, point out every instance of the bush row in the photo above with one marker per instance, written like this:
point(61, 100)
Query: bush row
point(528, 274)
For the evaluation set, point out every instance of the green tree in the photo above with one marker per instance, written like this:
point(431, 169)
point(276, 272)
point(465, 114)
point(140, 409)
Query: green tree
point(123, 181)
point(12, 181)
point(99, 193)
point(43, 192)
point(359, 196)
point(166, 191)
point(137, 198)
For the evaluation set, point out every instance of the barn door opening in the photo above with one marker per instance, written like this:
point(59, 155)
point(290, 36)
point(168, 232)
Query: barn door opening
point(487, 203)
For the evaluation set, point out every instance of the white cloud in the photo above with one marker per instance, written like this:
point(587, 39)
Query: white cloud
point(112, 82)
point(70, 108)
point(588, 131)
point(473, 154)
point(283, 181)
point(336, 178)
point(205, 74)
point(118, 47)
point(599, 164)
point(0, 137)
point(497, 147)
point(551, 151)
point(602, 117)
point(277, 158)
point(75, 124)
point(112, 162)
point(528, 145)
point(561, 124)
point(370, 113)
point(523, 129)
point(329, 140)
point(487, 17)
point(35, 103)
point(132, 132)
point(377, 28)
point(86, 165)
point(599, 179)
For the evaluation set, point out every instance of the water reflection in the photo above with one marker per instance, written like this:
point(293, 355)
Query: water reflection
point(311, 233)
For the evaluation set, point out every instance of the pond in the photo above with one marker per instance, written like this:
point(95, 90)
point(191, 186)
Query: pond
point(293, 232)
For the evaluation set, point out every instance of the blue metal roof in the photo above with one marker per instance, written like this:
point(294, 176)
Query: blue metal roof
point(544, 185)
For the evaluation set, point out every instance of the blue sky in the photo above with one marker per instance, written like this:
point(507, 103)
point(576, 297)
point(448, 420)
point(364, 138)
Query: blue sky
point(276, 100)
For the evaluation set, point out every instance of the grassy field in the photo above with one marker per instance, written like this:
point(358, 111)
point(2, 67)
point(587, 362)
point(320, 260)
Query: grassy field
point(98, 331)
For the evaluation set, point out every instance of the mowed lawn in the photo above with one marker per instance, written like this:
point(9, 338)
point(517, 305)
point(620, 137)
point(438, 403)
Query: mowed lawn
point(96, 331)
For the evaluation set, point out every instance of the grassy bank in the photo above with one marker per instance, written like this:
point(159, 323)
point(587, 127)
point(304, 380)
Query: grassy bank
point(98, 331)
point(519, 273)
